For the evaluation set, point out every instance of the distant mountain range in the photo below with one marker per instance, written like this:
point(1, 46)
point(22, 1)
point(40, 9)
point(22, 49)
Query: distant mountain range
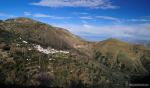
point(37, 54)
point(145, 43)
point(142, 42)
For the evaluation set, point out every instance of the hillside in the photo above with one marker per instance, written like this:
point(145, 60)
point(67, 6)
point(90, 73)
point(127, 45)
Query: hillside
point(37, 54)
point(37, 32)
point(122, 56)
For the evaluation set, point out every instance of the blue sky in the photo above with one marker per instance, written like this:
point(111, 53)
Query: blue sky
point(90, 19)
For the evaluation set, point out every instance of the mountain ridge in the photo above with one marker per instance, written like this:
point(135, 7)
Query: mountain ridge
point(37, 54)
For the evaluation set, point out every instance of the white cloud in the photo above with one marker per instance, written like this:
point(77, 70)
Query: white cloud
point(140, 31)
point(6, 15)
point(139, 20)
point(122, 20)
point(109, 18)
point(86, 17)
point(87, 26)
point(145, 19)
point(103, 4)
point(27, 14)
point(40, 15)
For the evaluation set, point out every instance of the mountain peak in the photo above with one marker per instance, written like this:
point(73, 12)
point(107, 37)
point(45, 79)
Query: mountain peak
point(113, 41)
point(42, 34)
point(21, 20)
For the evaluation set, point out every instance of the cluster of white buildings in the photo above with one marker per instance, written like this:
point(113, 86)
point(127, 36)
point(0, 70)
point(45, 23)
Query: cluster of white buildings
point(49, 50)
point(25, 42)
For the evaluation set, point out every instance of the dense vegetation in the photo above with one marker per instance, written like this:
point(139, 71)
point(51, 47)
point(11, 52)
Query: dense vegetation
point(107, 64)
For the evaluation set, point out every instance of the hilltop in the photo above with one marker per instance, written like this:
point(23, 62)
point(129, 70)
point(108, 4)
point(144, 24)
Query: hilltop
point(44, 34)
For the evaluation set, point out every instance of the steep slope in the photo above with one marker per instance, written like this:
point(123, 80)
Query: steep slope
point(43, 34)
point(24, 60)
point(23, 65)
